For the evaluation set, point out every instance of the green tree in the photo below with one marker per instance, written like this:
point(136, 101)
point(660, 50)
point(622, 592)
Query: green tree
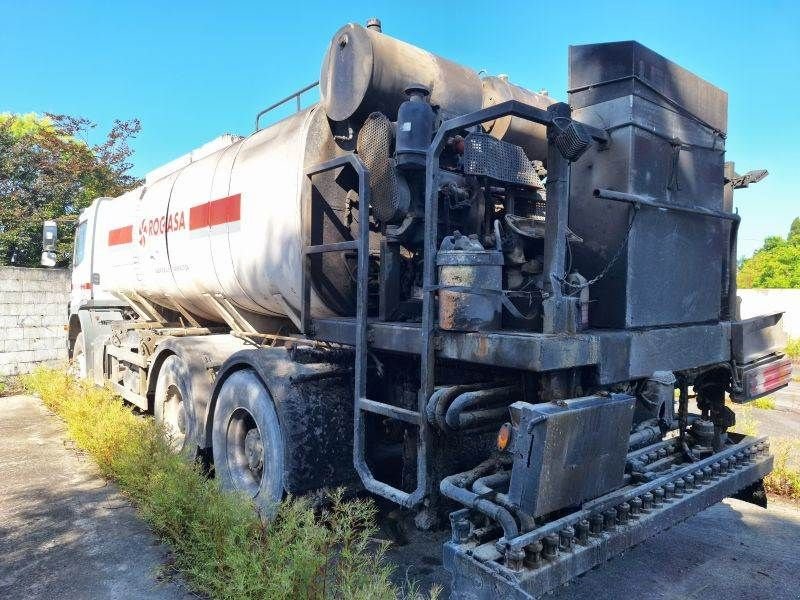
point(775, 265)
point(48, 171)
point(794, 229)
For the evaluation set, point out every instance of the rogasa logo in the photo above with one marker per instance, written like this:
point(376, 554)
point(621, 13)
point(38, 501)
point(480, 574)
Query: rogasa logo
point(160, 226)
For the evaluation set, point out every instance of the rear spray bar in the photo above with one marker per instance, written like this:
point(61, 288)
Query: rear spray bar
point(552, 555)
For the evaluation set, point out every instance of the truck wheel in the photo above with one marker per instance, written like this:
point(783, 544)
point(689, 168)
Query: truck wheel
point(78, 361)
point(173, 407)
point(247, 441)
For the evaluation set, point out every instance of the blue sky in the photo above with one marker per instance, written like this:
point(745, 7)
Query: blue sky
point(193, 70)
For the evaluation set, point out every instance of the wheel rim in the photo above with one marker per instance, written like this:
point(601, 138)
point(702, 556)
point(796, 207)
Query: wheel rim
point(245, 452)
point(175, 416)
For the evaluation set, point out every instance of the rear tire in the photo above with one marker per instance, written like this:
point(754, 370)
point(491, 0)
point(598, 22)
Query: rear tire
point(78, 361)
point(173, 407)
point(248, 443)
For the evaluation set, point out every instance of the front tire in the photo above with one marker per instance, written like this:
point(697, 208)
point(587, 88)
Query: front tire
point(173, 407)
point(247, 441)
point(78, 361)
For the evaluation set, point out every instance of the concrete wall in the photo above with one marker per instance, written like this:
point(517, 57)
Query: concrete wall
point(33, 314)
point(756, 302)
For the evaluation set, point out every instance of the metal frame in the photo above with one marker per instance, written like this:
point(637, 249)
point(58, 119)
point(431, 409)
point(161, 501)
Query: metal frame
point(296, 95)
point(557, 211)
point(361, 402)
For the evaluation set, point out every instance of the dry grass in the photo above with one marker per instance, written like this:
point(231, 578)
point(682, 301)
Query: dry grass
point(221, 547)
point(746, 422)
point(10, 386)
point(784, 480)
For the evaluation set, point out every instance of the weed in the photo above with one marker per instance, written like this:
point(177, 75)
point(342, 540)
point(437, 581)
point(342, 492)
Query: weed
point(221, 546)
point(10, 386)
point(764, 403)
point(793, 348)
point(785, 477)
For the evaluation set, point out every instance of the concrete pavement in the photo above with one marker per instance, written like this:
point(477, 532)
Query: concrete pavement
point(64, 531)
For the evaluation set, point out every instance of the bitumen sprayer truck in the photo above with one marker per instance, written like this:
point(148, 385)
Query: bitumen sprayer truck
point(461, 296)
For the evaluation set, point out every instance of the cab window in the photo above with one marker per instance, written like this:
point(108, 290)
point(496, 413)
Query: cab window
point(80, 244)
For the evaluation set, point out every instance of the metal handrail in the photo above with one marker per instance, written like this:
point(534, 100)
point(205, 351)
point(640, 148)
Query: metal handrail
point(295, 95)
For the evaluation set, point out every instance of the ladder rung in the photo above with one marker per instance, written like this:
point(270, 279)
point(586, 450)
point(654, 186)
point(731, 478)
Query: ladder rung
point(387, 410)
point(335, 247)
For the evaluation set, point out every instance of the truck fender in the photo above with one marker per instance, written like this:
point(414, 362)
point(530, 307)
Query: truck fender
point(314, 403)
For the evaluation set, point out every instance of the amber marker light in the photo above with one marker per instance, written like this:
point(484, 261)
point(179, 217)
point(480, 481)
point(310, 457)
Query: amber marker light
point(504, 436)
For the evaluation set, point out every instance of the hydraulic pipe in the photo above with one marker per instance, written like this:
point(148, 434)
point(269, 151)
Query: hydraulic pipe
point(452, 487)
point(467, 400)
point(484, 486)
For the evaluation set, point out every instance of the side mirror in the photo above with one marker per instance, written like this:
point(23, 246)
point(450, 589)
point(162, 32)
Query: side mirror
point(49, 239)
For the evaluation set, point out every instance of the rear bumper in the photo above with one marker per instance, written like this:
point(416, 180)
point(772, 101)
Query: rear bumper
point(479, 574)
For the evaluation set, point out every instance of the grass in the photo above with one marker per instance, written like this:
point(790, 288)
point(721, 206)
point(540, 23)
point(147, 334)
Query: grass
point(793, 348)
point(785, 477)
point(784, 480)
point(220, 545)
point(746, 423)
point(764, 403)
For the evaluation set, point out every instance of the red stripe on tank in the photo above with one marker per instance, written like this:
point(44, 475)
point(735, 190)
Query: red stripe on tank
point(123, 235)
point(216, 212)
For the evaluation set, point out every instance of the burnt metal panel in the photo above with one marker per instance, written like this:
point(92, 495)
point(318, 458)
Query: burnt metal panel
point(628, 68)
point(757, 337)
point(637, 354)
point(666, 144)
point(626, 354)
point(568, 452)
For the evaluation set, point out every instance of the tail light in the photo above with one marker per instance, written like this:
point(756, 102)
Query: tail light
point(762, 378)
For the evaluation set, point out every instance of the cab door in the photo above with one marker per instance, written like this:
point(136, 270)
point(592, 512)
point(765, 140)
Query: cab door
point(81, 292)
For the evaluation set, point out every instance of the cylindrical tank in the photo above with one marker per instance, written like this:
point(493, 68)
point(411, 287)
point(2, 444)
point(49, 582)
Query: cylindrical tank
point(366, 71)
point(532, 137)
point(463, 263)
point(415, 120)
point(227, 224)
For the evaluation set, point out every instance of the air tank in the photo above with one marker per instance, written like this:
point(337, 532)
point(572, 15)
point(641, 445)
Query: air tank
point(365, 70)
point(532, 137)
